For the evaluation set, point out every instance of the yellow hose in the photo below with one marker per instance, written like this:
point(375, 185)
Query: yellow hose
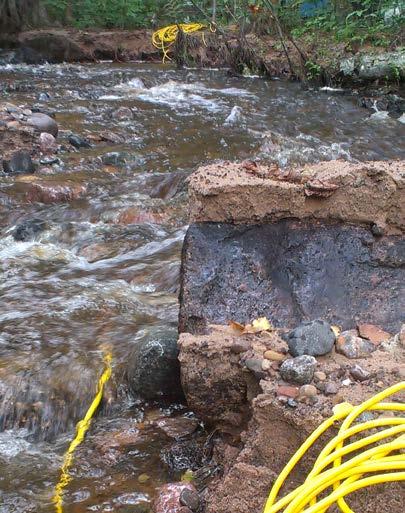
point(81, 430)
point(164, 38)
point(347, 477)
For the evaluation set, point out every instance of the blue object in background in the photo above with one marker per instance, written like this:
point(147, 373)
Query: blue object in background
point(312, 7)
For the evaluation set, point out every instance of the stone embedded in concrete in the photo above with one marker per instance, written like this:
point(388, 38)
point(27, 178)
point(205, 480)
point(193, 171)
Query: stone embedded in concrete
point(291, 271)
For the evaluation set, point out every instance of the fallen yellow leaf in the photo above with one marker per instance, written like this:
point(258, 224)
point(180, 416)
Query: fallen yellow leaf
point(261, 324)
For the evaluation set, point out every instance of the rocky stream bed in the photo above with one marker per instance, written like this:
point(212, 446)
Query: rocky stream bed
point(290, 203)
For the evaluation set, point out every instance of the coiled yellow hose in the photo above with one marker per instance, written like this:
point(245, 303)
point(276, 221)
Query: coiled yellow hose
point(384, 461)
point(165, 37)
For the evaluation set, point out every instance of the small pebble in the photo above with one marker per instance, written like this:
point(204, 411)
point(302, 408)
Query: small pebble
point(266, 365)
point(331, 389)
point(358, 373)
point(274, 356)
point(190, 499)
point(308, 391)
point(320, 376)
point(287, 391)
point(346, 382)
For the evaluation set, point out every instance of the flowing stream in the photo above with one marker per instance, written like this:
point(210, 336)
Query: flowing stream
point(103, 271)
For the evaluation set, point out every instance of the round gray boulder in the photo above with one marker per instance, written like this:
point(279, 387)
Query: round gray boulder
point(315, 338)
point(43, 123)
point(153, 369)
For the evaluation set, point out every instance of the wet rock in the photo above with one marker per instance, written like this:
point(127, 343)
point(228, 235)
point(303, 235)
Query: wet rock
point(20, 163)
point(359, 374)
point(153, 369)
point(373, 333)
point(112, 137)
point(49, 161)
point(123, 113)
point(183, 455)
point(78, 142)
point(190, 499)
point(315, 338)
point(284, 277)
point(352, 346)
point(235, 117)
point(43, 123)
point(54, 192)
point(168, 497)
point(28, 230)
point(178, 427)
point(47, 142)
point(114, 159)
point(134, 215)
point(299, 370)
point(44, 97)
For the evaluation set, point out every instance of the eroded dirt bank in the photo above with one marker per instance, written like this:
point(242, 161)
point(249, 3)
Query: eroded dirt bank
point(308, 248)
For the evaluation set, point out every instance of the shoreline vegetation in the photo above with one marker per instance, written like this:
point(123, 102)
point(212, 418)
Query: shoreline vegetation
point(332, 43)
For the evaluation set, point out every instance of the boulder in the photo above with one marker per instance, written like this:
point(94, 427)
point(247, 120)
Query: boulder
point(43, 123)
point(153, 370)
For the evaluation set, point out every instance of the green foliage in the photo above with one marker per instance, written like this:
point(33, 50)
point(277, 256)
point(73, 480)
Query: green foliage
point(352, 21)
point(313, 70)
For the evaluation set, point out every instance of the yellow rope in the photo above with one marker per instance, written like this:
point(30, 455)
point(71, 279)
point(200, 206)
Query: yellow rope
point(164, 38)
point(81, 430)
point(345, 478)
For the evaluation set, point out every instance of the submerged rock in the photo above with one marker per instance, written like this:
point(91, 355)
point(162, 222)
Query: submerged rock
point(315, 338)
point(28, 230)
point(168, 497)
point(153, 369)
point(20, 163)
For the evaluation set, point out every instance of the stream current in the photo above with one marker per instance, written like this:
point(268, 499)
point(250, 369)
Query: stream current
point(104, 272)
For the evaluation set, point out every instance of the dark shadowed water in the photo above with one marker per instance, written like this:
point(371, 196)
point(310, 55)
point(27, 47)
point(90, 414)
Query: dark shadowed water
point(106, 268)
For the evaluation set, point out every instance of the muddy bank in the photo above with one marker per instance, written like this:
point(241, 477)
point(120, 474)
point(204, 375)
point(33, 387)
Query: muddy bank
point(70, 45)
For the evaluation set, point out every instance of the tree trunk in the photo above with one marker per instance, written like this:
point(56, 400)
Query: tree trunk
point(214, 11)
point(16, 15)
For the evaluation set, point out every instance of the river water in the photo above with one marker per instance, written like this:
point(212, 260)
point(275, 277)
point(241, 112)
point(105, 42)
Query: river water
point(105, 270)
